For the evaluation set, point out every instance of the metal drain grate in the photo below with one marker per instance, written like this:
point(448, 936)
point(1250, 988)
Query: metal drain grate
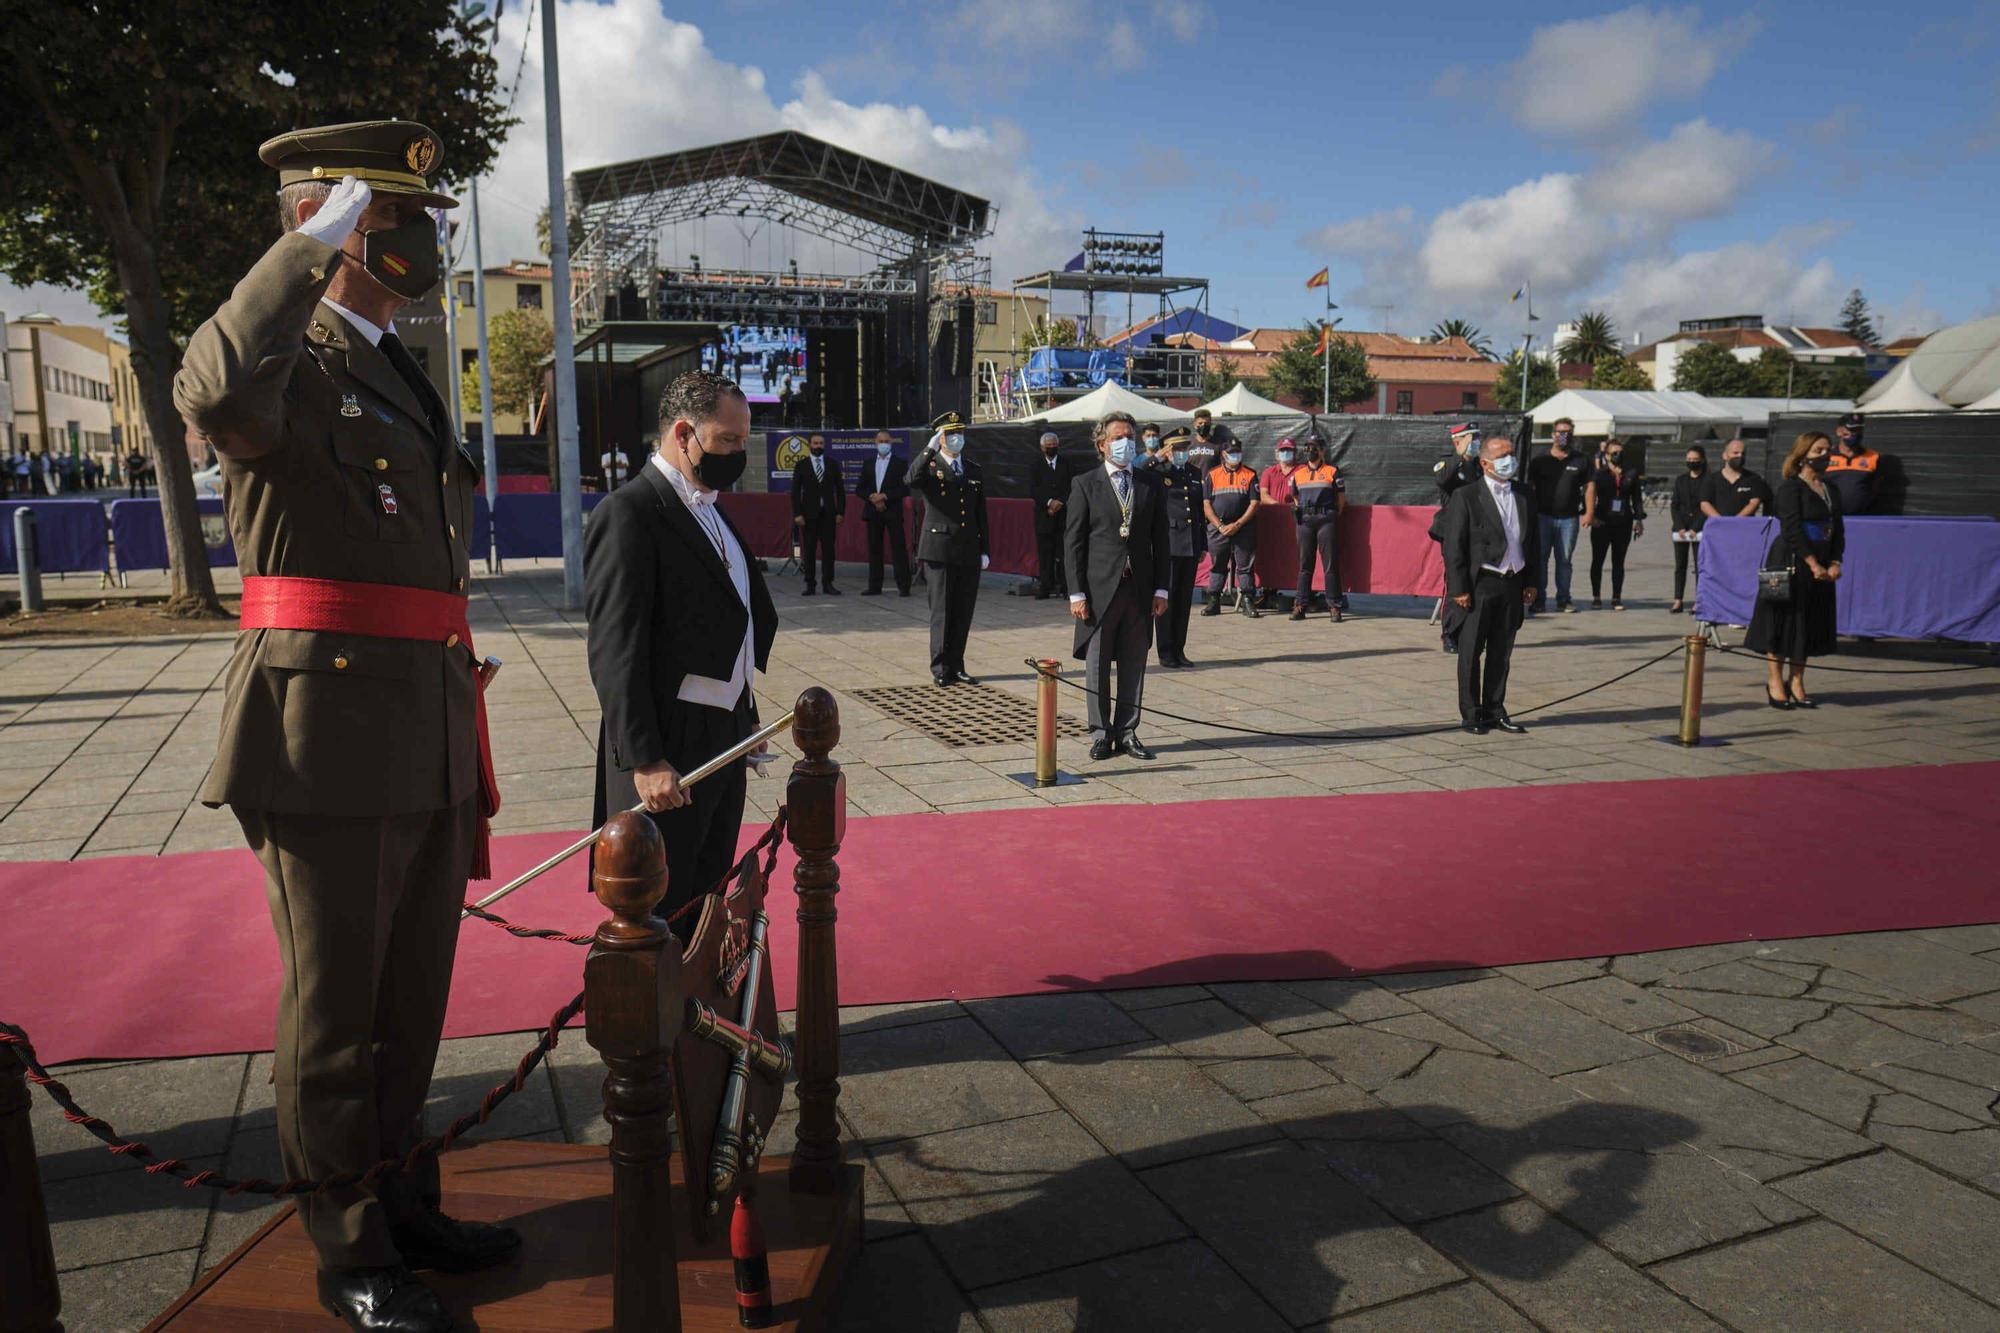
point(1691, 1043)
point(963, 715)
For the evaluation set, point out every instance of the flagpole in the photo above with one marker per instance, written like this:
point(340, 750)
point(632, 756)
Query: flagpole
point(1326, 355)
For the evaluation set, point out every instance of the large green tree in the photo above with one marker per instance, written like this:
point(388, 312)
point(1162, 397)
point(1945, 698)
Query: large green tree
point(1776, 373)
point(1593, 340)
point(129, 129)
point(1507, 382)
point(1615, 372)
point(1710, 368)
point(1042, 332)
point(517, 342)
point(1446, 329)
point(1299, 370)
point(1857, 322)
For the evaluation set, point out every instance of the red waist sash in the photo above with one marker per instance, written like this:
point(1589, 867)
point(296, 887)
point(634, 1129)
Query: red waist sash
point(380, 611)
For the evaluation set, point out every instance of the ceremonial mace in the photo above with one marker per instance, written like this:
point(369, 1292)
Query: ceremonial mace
point(715, 765)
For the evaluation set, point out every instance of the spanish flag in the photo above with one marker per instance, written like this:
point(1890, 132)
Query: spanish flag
point(1325, 339)
point(1316, 280)
point(1517, 294)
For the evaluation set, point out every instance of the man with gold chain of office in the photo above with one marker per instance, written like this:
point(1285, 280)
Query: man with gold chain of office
point(353, 747)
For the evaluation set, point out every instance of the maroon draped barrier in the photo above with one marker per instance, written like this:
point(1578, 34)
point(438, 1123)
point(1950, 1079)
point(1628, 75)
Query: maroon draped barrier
point(1383, 548)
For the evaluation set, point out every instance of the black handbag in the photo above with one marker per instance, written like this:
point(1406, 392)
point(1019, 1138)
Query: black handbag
point(1774, 584)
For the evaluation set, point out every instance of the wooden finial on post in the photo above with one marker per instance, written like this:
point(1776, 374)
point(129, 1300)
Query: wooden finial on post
point(30, 1298)
point(816, 798)
point(632, 1014)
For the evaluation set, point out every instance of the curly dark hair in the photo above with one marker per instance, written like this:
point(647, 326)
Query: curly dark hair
point(694, 397)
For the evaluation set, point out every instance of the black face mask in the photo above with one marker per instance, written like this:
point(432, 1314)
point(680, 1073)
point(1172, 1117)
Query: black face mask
point(1817, 464)
point(1696, 469)
point(718, 472)
point(817, 449)
point(1049, 451)
point(1201, 429)
point(1734, 464)
point(404, 259)
point(1614, 459)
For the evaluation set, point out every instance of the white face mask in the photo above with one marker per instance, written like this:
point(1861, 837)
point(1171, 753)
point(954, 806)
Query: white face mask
point(882, 450)
point(953, 443)
point(1505, 466)
point(1121, 451)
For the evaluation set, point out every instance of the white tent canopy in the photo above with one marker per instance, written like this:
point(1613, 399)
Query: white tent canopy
point(1686, 417)
point(1241, 402)
point(1960, 365)
point(1990, 403)
point(1756, 412)
point(1110, 397)
point(1898, 391)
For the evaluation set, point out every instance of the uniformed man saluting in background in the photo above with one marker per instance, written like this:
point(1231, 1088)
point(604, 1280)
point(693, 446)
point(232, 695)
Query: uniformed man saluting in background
point(954, 546)
point(353, 733)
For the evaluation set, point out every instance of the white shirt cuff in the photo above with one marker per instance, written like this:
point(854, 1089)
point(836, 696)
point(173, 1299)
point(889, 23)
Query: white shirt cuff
point(1160, 594)
point(1076, 597)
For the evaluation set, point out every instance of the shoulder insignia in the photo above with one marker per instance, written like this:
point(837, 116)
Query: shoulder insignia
point(1439, 466)
point(320, 332)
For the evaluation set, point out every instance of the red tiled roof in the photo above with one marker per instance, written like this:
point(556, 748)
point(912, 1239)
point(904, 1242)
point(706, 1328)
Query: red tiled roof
point(1724, 337)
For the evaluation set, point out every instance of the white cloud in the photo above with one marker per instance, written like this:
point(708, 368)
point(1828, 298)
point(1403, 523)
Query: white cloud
point(1773, 278)
point(1698, 171)
point(1543, 230)
point(1122, 45)
point(1392, 229)
point(1183, 19)
point(1587, 77)
point(638, 84)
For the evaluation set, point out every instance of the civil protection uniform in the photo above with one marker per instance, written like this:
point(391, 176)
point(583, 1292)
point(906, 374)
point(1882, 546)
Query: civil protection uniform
point(1316, 493)
point(953, 545)
point(1854, 477)
point(1230, 491)
point(352, 741)
point(1181, 486)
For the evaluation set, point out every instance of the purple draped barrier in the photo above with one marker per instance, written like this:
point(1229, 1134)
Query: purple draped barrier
point(69, 535)
point(1901, 578)
point(530, 526)
point(139, 534)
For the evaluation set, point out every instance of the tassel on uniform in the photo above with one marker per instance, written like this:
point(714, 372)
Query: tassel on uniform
point(482, 851)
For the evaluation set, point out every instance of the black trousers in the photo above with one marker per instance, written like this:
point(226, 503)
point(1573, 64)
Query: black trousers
point(1124, 631)
point(1172, 629)
point(1319, 534)
point(1685, 554)
point(1610, 537)
point(1486, 643)
point(816, 538)
point(887, 526)
point(701, 835)
point(1049, 558)
point(1240, 548)
point(954, 590)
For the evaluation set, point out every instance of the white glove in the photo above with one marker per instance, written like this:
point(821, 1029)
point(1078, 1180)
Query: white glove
point(336, 218)
point(985, 560)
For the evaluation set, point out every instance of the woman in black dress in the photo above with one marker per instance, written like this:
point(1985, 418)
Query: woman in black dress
point(1810, 540)
point(1617, 516)
point(1685, 511)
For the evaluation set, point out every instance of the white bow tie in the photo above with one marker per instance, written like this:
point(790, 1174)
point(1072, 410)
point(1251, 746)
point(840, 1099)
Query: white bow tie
point(700, 498)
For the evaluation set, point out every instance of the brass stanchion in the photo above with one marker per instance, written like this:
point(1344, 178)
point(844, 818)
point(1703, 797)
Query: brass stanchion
point(1048, 671)
point(1697, 653)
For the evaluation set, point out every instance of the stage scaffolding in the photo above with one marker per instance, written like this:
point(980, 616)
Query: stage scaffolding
point(906, 318)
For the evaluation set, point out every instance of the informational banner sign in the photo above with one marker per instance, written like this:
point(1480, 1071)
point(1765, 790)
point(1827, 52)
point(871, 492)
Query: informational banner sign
point(851, 451)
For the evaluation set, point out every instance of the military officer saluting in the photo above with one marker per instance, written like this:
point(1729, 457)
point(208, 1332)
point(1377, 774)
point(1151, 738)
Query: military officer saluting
point(1182, 482)
point(353, 731)
point(955, 545)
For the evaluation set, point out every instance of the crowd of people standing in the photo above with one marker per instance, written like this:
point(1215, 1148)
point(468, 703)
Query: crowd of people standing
point(56, 473)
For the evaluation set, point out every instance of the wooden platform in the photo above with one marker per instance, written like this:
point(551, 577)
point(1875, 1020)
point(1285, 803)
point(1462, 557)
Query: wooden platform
point(559, 1196)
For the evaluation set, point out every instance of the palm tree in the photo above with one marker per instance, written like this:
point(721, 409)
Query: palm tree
point(1460, 328)
point(1594, 340)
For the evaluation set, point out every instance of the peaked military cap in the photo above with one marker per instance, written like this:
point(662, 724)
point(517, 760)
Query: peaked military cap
point(947, 421)
point(389, 156)
point(1177, 438)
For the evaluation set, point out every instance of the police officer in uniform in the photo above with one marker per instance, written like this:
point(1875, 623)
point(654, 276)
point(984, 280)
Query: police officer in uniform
point(1319, 497)
point(1181, 483)
point(353, 731)
point(955, 545)
point(1454, 470)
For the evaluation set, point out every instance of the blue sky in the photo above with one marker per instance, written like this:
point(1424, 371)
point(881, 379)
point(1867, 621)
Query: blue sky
point(1660, 162)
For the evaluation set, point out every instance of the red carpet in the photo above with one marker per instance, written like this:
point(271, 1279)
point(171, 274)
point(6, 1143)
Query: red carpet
point(145, 956)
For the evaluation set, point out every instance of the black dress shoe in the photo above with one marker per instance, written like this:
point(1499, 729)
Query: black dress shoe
point(1473, 725)
point(1104, 749)
point(1041, 594)
point(903, 592)
point(810, 591)
point(1212, 607)
point(832, 591)
point(1506, 724)
point(871, 592)
point(963, 677)
point(1133, 747)
point(432, 1240)
point(941, 678)
point(390, 1300)
point(1450, 645)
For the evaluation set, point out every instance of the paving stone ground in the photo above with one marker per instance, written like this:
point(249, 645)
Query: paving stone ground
point(1800, 1134)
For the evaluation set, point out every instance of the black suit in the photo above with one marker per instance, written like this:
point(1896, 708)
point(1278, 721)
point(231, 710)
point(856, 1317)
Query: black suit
point(1186, 539)
point(1118, 574)
point(1474, 537)
point(953, 541)
point(887, 524)
point(1048, 482)
point(821, 503)
point(663, 606)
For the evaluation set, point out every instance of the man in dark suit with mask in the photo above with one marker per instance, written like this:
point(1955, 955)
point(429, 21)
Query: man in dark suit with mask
point(955, 546)
point(819, 507)
point(1049, 477)
point(884, 486)
point(1490, 551)
point(680, 621)
point(1115, 543)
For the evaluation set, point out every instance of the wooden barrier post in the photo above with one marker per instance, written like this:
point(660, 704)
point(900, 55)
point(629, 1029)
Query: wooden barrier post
point(30, 1298)
point(632, 1014)
point(816, 798)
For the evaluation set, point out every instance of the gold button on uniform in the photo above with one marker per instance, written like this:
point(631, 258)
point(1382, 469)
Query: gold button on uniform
point(461, 585)
point(453, 530)
point(451, 642)
point(381, 465)
point(340, 661)
point(444, 479)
